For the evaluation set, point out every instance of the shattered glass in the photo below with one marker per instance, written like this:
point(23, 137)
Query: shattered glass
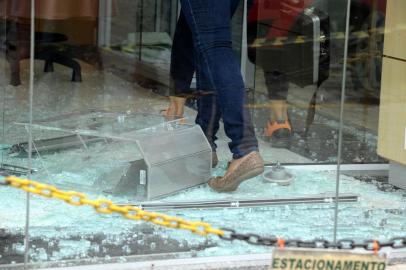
point(62, 232)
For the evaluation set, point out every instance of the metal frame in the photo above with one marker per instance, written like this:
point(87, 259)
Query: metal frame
point(248, 262)
point(158, 11)
point(237, 204)
point(374, 169)
point(104, 31)
point(7, 169)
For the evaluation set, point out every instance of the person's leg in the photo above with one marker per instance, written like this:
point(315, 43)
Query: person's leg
point(208, 114)
point(183, 65)
point(278, 128)
point(209, 118)
point(277, 85)
point(209, 21)
point(233, 6)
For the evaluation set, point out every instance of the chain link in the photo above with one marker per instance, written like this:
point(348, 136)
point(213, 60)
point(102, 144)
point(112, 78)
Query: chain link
point(103, 206)
point(197, 227)
point(3, 181)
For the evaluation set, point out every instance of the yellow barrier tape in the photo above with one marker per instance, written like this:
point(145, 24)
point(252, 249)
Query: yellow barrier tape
point(299, 40)
point(103, 206)
point(280, 41)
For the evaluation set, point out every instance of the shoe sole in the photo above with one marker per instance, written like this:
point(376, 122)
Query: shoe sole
point(279, 142)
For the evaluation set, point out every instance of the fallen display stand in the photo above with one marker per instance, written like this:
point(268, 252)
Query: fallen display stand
point(165, 167)
point(138, 154)
point(315, 199)
point(9, 169)
point(54, 144)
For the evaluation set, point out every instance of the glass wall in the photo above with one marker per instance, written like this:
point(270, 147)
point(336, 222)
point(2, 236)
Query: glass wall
point(323, 100)
point(299, 70)
point(15, 107)
point(373, 130)
point(297, 48)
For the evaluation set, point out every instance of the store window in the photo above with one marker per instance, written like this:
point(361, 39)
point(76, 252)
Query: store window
point(90, 112)
point(367, 123)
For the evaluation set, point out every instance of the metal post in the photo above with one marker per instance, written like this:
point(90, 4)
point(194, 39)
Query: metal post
point(174, 13)
point(101, 23)
point(31, 97)
point(247, 68)
point(3, 68)
point(158, 11)
point(107, 41)
point(237, 204)
point(141, 28)
point(340, 132)
point(244, 42)
point(104, 30)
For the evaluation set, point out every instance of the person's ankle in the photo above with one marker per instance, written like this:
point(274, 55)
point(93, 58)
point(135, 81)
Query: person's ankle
point(177, 105)
point(279, 110)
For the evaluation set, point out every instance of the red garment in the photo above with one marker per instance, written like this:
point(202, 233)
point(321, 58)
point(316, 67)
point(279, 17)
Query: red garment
point(279, 14)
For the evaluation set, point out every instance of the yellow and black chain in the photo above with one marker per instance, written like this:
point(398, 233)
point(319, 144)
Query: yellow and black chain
point(371, 245)
point(104, 206)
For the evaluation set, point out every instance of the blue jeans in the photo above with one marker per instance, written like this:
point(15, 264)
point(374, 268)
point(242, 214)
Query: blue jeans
point(202, 43)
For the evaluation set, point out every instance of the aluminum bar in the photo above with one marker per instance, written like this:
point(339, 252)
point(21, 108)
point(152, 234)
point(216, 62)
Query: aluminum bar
point(316, 199)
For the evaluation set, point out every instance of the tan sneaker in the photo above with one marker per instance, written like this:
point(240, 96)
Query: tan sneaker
point(239, 170)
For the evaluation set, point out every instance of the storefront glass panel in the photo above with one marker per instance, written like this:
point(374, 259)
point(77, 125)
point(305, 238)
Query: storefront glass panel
point(373, 127)
point(15, 106)
point(103, 126)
